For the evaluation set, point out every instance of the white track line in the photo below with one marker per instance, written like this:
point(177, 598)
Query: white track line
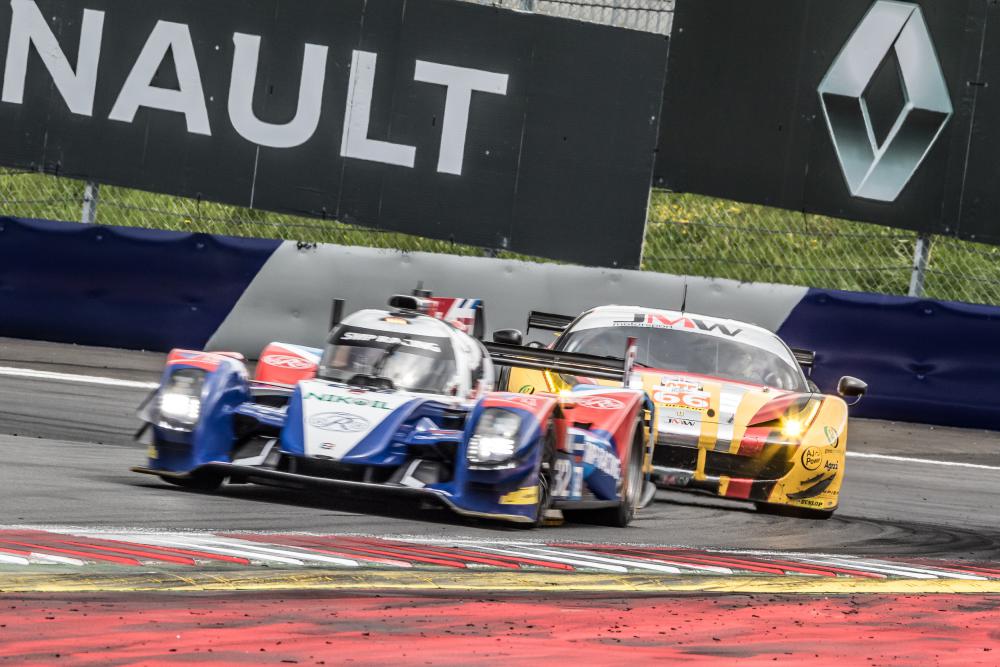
point(942, 573)
point(11, 558)
point(52, 558)
point(249, 554)
point(69, 377)
point(269, 549)
point(906, 459)
point(608, 558)
point(862, 566)
point(579, 562)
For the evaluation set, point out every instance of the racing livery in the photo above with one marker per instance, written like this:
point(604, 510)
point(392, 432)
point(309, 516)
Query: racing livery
point(735, 411)
point(402, 401)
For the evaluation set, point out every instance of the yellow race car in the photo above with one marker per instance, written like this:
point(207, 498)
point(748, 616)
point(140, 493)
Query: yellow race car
point(734, 410)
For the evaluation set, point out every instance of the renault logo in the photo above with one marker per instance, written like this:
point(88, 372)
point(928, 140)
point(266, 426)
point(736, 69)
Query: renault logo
point(876, 170)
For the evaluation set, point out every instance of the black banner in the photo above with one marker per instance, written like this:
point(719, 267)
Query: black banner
point(432, 117)
point(872, 110)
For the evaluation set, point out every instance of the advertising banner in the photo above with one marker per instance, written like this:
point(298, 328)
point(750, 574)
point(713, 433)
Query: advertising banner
point(871, 110)
point(438, 118)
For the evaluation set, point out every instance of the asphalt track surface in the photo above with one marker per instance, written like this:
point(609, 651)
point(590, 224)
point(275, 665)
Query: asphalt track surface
point(66, 447)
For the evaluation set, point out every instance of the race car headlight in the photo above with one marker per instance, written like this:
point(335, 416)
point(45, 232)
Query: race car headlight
point(495, 437)
point(795, 425)
point(179, 402)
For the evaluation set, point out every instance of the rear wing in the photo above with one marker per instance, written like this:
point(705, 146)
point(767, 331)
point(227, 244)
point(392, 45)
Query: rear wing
point(805, 358)
point(548, 321)
point(569, 363)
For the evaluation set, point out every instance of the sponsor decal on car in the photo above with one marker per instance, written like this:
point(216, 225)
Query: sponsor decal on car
point(526, 389)
point(342, 399)
point(812, 458)
point(692, 401)
point(527, 495)
point(831, 466)
point(831, 435)
point(675, 384)
point(341, 422)
point(390, 340)
point(686, 322)
point(521, 399)
point(601, 403)
point(287, 361)
point(603, 459)
point(596, 452)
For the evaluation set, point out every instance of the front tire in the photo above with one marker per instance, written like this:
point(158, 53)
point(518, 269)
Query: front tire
point(544, 468)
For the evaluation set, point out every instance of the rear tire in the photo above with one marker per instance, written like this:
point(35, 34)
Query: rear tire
point(202, 482)
point(794, 512)
point(622, 514)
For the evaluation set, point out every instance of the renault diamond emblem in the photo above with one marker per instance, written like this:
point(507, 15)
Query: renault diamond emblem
point(876, 170)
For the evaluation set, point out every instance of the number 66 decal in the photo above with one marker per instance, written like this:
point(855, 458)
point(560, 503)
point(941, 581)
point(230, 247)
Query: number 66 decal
point(693, 401)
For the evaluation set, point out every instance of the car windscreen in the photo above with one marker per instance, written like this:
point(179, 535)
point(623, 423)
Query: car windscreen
point(688, 351)
point(423, 364)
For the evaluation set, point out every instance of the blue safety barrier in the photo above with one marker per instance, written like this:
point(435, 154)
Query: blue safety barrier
point(925, 361)
point(119, 286)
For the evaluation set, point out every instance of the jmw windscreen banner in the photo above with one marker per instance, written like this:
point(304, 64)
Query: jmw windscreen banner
point(432, 117)
point(871, 110)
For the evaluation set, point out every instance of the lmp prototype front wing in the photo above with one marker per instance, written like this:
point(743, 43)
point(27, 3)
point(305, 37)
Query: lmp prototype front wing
point(242, 474)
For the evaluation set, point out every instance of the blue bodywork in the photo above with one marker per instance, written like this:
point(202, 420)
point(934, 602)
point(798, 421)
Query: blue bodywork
point(434, 432)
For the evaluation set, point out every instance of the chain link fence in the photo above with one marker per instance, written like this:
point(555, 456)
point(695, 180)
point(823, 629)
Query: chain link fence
point(686, 235)
point(693, 235)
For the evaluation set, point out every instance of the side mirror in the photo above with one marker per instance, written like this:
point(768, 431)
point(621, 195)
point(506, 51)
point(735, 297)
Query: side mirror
point(508, 336)
point(851, 387)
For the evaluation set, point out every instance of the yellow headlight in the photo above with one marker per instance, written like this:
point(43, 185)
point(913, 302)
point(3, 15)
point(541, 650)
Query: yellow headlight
point(792, 428)
point(796, 424)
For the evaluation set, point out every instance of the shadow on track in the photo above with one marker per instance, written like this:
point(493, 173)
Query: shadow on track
point(346, 502)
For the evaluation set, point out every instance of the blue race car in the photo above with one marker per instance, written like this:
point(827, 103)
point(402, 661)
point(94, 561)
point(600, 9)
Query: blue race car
point(401, 402)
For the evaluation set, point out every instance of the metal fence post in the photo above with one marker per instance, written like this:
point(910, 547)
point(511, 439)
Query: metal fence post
point(91, 193)
point(921, 256)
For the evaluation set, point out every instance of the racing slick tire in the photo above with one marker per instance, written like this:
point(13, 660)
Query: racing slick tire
point(202, 482)
point(794, 512)
point(544, 496)
point(622, 514)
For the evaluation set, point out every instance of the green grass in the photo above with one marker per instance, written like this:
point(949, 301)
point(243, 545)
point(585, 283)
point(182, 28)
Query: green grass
point(686, 234)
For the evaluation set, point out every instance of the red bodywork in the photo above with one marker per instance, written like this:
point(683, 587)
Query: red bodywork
point(284, 364)
point(614, 411)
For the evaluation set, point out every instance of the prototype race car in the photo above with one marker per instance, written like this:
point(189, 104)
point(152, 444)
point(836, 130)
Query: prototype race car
point(401, 401)
point(735, 411)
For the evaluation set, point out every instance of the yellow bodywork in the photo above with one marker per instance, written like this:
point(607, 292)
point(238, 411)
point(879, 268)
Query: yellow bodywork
point(814, 456)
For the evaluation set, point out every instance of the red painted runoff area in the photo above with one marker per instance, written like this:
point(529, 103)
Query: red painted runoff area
point(317, 629)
